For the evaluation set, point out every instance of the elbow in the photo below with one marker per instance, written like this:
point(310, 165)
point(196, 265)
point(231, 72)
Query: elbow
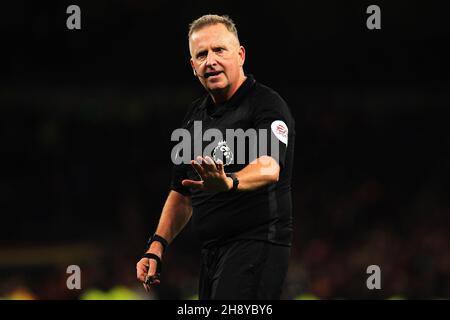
point(274, 175)
point(274, 178)
point(269, 169)
point(274, 171)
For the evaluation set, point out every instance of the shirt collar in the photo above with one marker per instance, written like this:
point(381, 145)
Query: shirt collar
point(241, 92)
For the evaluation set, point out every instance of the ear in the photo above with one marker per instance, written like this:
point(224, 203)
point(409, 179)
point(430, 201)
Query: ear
point(193, 68)
point(241, 54)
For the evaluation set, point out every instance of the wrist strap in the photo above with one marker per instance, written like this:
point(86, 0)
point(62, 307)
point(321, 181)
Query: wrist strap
point(154, 257)
point(235, 181)
point(158, 238)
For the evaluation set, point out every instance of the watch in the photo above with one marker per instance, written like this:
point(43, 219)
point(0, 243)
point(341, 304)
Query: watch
point(235, 181)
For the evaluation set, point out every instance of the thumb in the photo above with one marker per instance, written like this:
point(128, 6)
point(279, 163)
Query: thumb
point(192, 184)
point(152, 277)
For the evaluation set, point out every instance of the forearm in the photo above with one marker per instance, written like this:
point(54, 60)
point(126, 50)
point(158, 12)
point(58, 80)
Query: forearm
point(262, 171)
point(175, 215)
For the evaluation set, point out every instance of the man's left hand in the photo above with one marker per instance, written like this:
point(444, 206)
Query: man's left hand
point(212, 174)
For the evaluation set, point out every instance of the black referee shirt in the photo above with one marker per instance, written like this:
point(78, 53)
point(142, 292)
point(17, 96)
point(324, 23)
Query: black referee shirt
point(263, 214)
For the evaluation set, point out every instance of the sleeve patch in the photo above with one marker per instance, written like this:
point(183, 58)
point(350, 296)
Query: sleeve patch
point(280, 130)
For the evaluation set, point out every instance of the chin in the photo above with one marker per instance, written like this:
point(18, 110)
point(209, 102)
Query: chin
point(217, 87)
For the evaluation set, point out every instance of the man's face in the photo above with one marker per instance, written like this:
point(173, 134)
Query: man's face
point(217, 58)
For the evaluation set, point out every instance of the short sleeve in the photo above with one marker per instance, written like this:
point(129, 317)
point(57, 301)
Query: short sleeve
point(179, 171)
point(273, 116)
point(178, 175)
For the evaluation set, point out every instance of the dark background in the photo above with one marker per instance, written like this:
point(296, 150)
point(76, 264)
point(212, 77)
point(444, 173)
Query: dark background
point(86, 117)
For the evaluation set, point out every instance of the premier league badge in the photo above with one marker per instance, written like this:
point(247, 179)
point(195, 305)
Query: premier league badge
point(223, 153)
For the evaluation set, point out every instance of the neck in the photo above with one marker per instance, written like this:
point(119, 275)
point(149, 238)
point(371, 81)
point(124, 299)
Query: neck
point(221, 97)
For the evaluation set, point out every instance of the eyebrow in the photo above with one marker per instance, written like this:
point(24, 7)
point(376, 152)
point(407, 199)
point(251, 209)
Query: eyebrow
point(200, 52)
point(219, 46)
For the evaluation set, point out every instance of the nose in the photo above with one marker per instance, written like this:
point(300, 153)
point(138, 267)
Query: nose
point(211, 59)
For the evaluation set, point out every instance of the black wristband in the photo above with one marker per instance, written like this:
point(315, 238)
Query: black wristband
point(154, 257)
point(158, 238)
point(235, 181)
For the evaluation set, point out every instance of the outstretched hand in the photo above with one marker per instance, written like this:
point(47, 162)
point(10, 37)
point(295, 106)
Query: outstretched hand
point(213, 176)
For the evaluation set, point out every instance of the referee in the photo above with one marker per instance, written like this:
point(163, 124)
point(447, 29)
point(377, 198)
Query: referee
point(240, 203)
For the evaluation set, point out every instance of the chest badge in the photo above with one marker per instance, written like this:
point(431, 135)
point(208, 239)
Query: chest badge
point(223, 152)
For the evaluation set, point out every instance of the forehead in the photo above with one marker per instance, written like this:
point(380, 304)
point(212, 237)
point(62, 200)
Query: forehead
point(211, 35)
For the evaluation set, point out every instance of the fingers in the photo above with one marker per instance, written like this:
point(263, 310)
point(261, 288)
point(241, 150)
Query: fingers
point(197, 166)
point(193, 184)
point(209, 164)
point(151, 269)
point(146, 272)
point(209, 171)
point(152, 278)
point(219, 165)
point(142, 269)
point(204, 166)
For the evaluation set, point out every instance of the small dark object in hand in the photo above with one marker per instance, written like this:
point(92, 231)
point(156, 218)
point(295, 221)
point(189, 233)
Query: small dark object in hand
point(149, 280)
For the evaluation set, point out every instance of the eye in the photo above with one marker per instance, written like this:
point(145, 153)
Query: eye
point(201, 55)
point(219, 50)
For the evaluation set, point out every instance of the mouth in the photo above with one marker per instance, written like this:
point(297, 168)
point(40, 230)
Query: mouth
point(212, 74)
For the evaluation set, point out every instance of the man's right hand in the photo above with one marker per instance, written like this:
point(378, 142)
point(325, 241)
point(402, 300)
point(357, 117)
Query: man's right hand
point(146, 268)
